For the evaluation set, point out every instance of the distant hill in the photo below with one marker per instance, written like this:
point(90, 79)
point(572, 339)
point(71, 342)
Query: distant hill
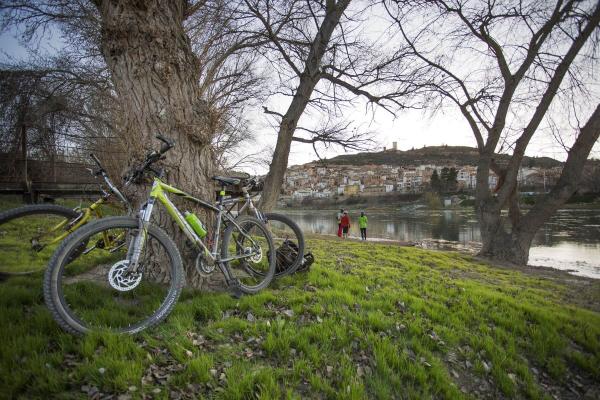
point(438, 155)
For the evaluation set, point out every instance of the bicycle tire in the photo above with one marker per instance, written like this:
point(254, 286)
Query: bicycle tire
point(268, 276)
point(33, 209)
point(30, 210)
point(54, 297)
point(299, 241)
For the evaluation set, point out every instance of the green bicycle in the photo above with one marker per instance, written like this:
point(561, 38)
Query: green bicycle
point(29, 234)
point(132, 287)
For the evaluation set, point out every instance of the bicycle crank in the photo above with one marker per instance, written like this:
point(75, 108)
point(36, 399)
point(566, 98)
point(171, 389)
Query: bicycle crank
point(204, 265)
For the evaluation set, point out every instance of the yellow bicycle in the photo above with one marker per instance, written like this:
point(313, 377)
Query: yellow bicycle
point(29, 234)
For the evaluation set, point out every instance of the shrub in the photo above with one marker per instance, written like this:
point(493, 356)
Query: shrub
point(432, 200)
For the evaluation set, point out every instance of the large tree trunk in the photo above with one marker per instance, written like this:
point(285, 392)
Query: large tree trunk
point(155, 74)
point(498, 242)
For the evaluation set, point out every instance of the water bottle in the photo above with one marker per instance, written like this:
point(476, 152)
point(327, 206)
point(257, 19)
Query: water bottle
point(196, 224)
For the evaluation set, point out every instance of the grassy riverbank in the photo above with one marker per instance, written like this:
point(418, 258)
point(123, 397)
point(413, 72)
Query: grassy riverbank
point(368, 321)
point(429, 200)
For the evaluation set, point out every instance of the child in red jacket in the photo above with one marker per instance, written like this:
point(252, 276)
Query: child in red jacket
point(345, 224)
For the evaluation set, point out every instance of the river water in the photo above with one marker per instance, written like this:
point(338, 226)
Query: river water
point(569, 241)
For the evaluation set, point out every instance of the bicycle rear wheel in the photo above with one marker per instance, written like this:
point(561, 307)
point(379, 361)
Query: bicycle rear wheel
point(29, 235)
point(97, 291)
point(249, 255)
point(289, 243)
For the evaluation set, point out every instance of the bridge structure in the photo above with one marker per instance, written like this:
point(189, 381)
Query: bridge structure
point(36, 179)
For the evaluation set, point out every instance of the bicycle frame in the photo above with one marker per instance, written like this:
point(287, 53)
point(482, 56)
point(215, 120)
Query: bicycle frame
point(159, 192)
point(248, 203)
point(86, 215)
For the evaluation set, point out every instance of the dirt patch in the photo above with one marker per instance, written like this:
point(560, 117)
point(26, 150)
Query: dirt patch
point(98, 274)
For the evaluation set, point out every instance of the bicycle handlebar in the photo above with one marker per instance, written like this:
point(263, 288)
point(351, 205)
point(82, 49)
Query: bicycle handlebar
point(253, 183)
point(102, 172)
point(152, 157)
point(167, 145)
point(101, 169)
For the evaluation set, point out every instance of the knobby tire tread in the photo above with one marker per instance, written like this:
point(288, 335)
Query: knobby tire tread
point(54, 304)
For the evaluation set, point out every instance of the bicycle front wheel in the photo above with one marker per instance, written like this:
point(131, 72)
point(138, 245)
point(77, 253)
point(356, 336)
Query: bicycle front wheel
point(29, 235)
point(99, 292)
point(249, 254)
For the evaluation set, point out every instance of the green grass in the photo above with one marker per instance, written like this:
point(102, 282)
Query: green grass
point(368, 321)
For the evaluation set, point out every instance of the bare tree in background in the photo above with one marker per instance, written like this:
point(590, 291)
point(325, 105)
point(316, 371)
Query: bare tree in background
point(229, 81)
point(153, 70)
point(508, 66)
point(53, 111)
point(321, 63)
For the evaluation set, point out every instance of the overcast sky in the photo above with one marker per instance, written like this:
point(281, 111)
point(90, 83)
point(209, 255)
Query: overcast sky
point(410, 129)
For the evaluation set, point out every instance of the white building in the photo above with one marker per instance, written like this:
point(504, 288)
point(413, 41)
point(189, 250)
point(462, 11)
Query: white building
point(322, 195)
point(300, 194)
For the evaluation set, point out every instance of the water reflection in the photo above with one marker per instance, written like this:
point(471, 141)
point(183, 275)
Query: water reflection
point(570, 240)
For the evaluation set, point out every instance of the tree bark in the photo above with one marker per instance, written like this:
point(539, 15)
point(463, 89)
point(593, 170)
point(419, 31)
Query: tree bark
point(308, 80)
point(155, 75)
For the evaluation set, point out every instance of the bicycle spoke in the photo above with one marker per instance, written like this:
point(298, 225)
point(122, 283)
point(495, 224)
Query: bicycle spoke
point(102, 292)
point(249, 246)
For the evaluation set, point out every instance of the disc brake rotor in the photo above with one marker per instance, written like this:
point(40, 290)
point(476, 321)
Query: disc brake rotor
point(122, 280)
point(255, 258)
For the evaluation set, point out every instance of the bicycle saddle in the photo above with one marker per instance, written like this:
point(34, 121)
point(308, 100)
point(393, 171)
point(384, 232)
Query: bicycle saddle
point(226, 181)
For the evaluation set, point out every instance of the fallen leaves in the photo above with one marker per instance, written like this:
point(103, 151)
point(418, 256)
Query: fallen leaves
point(309, 288)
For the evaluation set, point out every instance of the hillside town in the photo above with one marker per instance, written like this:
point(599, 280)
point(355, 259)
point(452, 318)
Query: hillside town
point(321, 180)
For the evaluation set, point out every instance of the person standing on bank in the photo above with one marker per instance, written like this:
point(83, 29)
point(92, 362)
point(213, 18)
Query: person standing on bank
point(339, 221)
point(362, 224)
point(345, 224)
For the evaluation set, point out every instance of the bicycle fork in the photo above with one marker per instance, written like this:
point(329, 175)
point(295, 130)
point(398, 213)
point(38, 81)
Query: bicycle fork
point(135, 250)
